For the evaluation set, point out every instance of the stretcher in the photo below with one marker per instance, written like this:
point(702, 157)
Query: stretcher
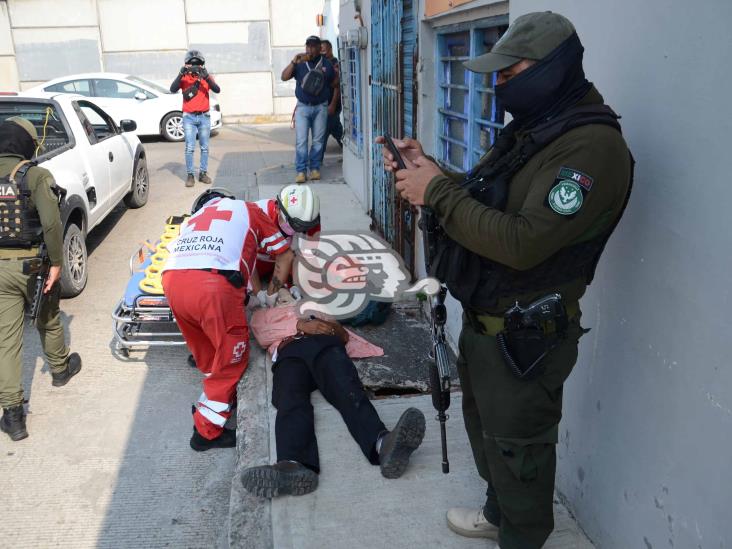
point(142, 317)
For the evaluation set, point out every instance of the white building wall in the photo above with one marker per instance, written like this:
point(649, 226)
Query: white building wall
point(247, 43)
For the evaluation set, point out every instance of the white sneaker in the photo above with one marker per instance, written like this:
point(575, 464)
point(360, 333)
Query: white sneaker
point(470, 523)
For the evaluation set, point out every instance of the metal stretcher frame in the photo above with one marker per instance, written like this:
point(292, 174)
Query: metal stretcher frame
point(137, 314)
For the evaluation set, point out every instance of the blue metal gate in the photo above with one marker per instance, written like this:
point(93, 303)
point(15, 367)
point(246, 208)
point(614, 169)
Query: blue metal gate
point(393, 110)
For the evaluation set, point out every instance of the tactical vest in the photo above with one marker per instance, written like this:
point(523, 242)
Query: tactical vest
point(20, 225)
point(477, 282)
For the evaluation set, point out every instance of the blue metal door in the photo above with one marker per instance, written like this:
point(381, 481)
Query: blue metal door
point(393, 110)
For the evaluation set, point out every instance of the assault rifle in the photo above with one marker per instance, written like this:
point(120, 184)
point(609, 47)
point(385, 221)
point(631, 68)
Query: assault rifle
point(40, 282)
point(440, 369)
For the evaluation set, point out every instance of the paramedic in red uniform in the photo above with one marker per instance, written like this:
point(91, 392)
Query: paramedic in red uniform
point(195, 83)
point(205, 281)
point(296, 209)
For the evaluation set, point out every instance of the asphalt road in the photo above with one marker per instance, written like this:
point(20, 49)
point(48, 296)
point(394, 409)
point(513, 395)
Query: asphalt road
point(107, 463)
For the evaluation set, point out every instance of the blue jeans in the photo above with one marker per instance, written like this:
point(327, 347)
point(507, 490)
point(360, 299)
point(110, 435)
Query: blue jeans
point(196, 124)
point(308, 118)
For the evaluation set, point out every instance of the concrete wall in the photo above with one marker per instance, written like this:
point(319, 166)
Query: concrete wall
point(645, 452)
point(247, 44)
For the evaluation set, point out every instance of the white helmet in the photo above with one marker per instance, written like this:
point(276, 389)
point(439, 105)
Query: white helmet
point(299, 209)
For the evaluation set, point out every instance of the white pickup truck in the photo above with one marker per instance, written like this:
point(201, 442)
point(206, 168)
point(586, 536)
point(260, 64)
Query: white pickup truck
point(97, 163)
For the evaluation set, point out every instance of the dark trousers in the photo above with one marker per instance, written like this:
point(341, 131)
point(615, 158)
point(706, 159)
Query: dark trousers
point(319, 362)
point(334, 128)
point(512, 425)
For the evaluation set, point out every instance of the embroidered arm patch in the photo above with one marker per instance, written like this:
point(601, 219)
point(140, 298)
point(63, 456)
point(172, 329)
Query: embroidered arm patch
point(569, 191)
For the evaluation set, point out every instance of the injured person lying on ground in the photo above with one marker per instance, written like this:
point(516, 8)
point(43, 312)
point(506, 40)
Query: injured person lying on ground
point(309, 354)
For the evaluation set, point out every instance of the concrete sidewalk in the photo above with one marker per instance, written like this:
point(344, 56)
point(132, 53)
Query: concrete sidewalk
point(354, 506)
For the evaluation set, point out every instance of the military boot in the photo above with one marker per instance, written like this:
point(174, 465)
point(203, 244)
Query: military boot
point(13, 422)
point(73, 367)
point(282, 478)
point(398, 445)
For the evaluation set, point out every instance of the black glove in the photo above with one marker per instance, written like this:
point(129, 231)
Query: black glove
point(183, 70)
point(204, 73)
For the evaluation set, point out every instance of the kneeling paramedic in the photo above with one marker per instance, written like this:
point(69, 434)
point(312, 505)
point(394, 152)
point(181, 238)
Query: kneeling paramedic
point(205, 280)
point(517, 241)
point(295, 210)
point(29, 220)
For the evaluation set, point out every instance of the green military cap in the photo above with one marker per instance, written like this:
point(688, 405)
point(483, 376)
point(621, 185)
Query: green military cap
point(28, 126)
point(531, 36)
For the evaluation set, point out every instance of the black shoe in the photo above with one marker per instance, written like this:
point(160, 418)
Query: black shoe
point(13, 422)
point(191, 361)
point(73, 367)
point(282, 478)
point(227, 439)
point(204, 178)
point(190, 180)
point(398, 445)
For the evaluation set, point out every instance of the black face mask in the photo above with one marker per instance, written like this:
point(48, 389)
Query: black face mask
point(548, 87)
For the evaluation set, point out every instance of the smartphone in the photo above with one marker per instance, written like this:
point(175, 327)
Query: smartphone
point(394, 151)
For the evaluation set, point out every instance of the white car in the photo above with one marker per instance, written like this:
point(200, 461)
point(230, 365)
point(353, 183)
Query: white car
point(88, 154)
point(155, 109)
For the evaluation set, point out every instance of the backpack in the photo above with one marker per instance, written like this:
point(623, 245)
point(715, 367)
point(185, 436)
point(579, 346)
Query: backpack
point(314, 80)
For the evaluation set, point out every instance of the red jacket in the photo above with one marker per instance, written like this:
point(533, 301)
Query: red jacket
point(200, 102)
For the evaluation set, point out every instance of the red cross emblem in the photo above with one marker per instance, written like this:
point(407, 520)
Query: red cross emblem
point(293, 200)
point(210, 214)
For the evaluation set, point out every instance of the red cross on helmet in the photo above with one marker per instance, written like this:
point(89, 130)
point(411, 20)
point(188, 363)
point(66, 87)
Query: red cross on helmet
point(299, 209)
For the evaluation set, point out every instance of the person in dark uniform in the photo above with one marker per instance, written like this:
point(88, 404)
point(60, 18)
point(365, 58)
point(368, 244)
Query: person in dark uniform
point(29, 216)
point(334, 126)
point(516, 241)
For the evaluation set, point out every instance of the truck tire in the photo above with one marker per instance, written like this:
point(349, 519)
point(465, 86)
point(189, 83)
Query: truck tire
point(137, 197)
point(171, 128)
point(74, 272)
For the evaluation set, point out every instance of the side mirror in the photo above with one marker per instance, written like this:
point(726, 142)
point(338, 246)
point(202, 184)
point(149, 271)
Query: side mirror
point(128, 125)
point(140, 96)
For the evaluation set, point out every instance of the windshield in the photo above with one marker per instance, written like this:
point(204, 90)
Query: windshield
point(147, 83)
point(45, 117)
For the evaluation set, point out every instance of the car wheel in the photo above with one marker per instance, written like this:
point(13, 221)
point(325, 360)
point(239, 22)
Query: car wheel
point(74, 272)
point(137, 197)
point(172, 127)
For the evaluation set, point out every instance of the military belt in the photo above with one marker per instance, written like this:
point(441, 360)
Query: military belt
point(491, 325)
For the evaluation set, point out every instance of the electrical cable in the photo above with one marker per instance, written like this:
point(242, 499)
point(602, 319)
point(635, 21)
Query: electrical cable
point(41, 142)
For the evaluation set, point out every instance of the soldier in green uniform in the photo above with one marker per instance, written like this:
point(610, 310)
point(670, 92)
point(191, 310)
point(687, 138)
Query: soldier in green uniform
point(29, 216)
point(528, 223)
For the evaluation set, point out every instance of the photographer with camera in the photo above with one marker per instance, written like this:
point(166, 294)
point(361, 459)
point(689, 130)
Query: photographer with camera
point(196, 83)
point(315, 78)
